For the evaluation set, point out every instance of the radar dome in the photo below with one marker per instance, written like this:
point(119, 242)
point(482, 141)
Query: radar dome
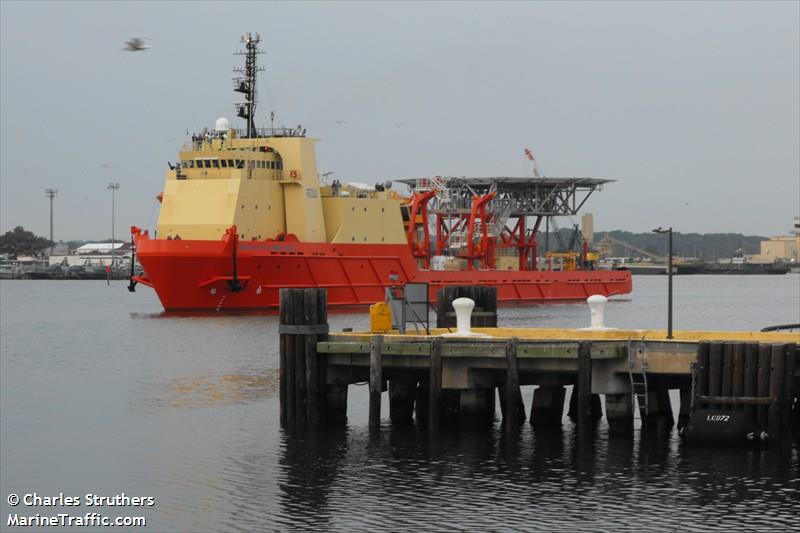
point(222, 124)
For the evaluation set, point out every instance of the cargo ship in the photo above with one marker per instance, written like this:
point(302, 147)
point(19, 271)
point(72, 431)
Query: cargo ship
point(244, 213)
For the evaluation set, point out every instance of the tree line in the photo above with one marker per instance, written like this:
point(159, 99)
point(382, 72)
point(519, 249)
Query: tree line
point(705, 246)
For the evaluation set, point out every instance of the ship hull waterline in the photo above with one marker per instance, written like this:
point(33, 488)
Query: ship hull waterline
point(196, 275)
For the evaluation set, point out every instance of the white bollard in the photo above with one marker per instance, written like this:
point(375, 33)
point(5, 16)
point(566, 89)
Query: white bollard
point(463, 308)
point(597, 306)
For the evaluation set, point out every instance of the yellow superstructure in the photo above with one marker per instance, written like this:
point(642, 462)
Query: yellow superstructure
point(268, 186)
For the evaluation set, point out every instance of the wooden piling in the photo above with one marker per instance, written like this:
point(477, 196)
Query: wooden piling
point(513, 394)
point(548, 406)
point(310, 317)
point(375, 381)
point(750, 375)
point(301, 394)
point(762, 382)
point(476, 406)
point(584, 385)
point(701, 369)
point(659, 407)
point(714, 371)
point(422, 398)
point(726, 387)
point(283, 362)
point(401, 400)
point(336, 403)
point(737, 387)
point(303, 322)
point(790, 364)
point(435, 385)
point(619, 412)
point(776, 380)
point(684, 413)
point(287, 359)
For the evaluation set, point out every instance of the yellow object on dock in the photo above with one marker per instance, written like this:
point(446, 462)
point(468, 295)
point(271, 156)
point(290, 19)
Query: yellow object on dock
point(380, 318)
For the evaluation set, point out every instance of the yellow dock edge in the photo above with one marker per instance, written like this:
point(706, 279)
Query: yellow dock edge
point(600, 335)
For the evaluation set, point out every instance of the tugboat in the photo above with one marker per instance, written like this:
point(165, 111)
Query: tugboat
point(245, 213)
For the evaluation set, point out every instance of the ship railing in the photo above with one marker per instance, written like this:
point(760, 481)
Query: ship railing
point(272, 132)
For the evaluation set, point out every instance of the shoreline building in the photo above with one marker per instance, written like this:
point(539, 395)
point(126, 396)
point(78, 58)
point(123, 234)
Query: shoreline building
point(782, 248)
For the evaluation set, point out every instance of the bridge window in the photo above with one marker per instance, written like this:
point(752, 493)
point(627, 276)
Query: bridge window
point(215, 163)
point(224, 163)
point(230, 163)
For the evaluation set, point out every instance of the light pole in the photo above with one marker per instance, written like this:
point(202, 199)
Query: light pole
point(669, 278)
point(51, 193)
point(113, 187)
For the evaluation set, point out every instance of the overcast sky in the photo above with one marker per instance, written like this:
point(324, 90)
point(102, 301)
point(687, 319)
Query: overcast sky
point(693, 107)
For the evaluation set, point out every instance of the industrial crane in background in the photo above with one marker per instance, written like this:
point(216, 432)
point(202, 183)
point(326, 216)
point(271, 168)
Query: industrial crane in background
point(608, 241)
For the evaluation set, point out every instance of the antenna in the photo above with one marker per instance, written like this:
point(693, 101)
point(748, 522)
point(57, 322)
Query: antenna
point(534, 164)
point(51, 193)
point(246, 82)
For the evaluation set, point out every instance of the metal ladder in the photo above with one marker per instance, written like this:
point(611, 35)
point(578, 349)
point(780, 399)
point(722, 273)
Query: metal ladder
point(638, 376)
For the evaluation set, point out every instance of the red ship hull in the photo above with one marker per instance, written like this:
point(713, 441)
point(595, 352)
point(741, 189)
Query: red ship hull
point(196, 275)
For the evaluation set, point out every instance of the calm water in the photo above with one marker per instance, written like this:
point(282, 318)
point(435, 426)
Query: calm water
point(100, 393)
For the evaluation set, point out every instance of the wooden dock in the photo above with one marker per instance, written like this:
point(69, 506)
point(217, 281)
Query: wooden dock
point(751, 378)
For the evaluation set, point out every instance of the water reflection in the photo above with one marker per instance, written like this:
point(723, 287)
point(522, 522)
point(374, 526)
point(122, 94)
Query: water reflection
point(201, 391)
point(349, 477)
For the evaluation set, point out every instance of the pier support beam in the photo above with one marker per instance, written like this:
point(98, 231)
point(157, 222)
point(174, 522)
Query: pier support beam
point(515, 407)
point(477, 406)
point(684, 414)
point(336, 403)
point(435, 385)
point(619, 412)
point(375, 381)
point(584, 387)
point(401, 400)
point(659, 408)
point(548, 406)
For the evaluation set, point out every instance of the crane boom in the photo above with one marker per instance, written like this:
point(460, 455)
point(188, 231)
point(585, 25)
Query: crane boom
point(651, 255)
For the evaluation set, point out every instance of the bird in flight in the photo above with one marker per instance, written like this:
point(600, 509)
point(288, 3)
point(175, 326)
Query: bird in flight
point(136, 44)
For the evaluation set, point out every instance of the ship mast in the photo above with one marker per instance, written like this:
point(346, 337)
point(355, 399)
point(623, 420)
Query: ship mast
point(246, 82)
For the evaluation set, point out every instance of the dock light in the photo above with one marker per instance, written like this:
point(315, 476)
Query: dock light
point(669, 278)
